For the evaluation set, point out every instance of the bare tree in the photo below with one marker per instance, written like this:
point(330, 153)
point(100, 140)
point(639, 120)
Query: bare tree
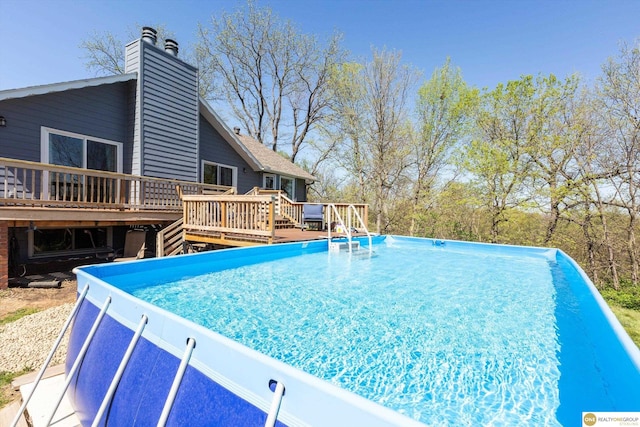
point(371, 123)
point(345, 129)
point(105, 52)
point(273, 77)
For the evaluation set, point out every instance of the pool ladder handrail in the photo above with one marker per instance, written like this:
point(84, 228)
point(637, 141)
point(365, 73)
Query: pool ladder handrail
point(275, 404)
point(52, 352)
point(333, 210)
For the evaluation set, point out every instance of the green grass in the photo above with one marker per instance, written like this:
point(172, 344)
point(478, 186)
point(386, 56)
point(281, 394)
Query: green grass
point(12, 317)
point(5, 384)
point(630, 320)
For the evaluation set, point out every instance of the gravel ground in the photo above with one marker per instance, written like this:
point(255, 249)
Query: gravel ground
point(26, 342)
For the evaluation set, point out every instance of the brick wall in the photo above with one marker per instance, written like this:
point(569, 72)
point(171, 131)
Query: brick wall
point(4, 254)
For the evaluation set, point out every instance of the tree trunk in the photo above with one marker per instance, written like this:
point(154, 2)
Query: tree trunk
point(591, 255)
point(631, 247)
point(611, 259)
point(553, 221)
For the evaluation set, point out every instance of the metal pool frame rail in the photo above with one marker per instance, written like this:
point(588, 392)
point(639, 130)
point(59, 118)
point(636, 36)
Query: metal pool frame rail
point(248, 374)
point(255, 378)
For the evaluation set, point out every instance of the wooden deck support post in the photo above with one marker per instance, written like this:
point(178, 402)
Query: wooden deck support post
point(4, 254)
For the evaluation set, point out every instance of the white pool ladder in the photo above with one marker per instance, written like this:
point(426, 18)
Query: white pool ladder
point(352, 216)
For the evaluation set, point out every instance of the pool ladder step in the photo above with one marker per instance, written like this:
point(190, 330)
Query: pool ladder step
point(344, 246)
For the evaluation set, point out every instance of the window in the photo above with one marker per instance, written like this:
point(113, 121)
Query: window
point(215, 173)
point(80, 151)
point(269, 181)
point(69, 149)
point(288, 185)
point(47, 242)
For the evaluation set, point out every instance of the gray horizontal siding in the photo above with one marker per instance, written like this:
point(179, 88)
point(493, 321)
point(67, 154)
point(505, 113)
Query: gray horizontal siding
point(169, 116)
point(98, 111)
point(213, 148)
point(301, 190)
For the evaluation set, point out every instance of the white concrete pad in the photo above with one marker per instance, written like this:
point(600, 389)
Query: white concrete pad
point(44, 400)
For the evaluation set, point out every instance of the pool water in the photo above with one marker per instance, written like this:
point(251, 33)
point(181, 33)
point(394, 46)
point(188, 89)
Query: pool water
point(447, 337)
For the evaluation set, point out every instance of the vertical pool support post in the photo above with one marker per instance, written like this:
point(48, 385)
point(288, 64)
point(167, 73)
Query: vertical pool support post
point(191, 343)
point(72, 316)
point(275, 405)
point(123, 364)
point(81, 353)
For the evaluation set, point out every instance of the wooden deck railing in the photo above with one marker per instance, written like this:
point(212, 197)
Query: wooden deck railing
point(293, 210)
point(38, 184)
point(250, 217)
point(240, 215)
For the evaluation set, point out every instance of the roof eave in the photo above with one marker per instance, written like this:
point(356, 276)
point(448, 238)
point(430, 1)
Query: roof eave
point(61, 87)
point(217, 123)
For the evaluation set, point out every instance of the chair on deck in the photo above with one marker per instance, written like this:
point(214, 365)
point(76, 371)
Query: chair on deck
point(313, 214)
point(134, 246)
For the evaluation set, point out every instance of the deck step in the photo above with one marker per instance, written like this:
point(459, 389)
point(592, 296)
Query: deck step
point(283, 223)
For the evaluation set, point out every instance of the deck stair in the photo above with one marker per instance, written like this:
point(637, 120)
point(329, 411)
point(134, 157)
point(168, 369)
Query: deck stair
point(282, 222)
point(170, 240)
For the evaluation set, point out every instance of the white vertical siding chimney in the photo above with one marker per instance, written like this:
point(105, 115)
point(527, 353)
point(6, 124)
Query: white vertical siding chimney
point(149, 35)
point(171, 47)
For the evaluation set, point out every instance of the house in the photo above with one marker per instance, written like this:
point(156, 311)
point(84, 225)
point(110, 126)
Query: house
point(82, 162)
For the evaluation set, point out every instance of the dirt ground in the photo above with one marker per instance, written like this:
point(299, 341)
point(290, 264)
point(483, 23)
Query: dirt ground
point(13, 299)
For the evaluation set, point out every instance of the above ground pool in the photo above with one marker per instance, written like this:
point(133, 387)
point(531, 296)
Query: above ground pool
point(406, 332)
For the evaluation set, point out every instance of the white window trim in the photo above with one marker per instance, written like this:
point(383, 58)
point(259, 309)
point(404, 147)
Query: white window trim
point(44, 150)
point(44, 145)
point(264, 180)
point(234, 173)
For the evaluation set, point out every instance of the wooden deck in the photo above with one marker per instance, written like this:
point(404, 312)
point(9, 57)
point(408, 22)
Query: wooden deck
point(286, 235)
point(49, 196)
point(59, 196)
point(255, 219)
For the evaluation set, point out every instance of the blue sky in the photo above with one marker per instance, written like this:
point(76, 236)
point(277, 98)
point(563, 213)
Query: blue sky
point(491, 41)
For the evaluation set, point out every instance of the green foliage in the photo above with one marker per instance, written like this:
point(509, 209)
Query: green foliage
point(628, 296)
point(13, 316)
